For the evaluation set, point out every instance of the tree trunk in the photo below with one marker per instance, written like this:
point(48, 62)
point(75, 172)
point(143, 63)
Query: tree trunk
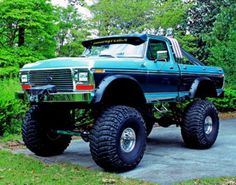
point(21, 36)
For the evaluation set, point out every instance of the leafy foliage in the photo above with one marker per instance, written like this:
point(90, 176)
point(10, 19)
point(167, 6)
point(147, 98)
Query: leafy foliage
point(200, 21)
point(188, 42)
point(18, 56)
point(222, 41)
point(228, 103)
point(202, 15)
point(28, 23)
point(121, 16)
point(11, 59)
point(11, 109)
point(170, 13)
point(71, 32)
point(9, 72)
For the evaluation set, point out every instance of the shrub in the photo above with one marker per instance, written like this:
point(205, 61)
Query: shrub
point(9, 72)
point(228, 103)
point(11, 59)
point(11, 109)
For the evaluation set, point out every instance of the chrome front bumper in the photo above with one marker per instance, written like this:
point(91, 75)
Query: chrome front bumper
point(68, 97)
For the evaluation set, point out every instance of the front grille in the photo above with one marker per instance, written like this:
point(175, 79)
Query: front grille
point(61, 78)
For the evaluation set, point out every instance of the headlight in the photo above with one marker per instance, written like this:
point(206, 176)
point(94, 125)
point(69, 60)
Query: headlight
point(83, 80)
point(83, 77)
point(24, 78)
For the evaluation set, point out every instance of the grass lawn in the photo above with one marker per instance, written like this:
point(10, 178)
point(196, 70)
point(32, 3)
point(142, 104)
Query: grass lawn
point(20, 169)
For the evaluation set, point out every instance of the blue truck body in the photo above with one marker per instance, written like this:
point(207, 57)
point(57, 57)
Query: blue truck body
point(158, 80)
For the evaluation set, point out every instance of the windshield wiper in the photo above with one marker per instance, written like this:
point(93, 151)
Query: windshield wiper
point(82, 56)
point(107, 55)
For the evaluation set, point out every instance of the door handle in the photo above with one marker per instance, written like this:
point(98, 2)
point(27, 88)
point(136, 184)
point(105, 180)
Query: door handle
point(185, 67)
point(171, 67)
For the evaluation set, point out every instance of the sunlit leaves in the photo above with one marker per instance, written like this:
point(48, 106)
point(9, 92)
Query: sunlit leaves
point(71, 32)
point(37, 20)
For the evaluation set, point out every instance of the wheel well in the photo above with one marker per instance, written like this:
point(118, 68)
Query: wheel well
point(205, 89)
point(124, 92)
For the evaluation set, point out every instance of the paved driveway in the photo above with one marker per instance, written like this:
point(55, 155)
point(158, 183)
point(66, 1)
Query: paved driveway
point(166, 160)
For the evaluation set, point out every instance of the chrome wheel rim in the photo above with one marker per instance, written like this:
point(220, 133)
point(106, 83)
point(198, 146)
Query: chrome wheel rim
point(208, 125)
point(128, 140)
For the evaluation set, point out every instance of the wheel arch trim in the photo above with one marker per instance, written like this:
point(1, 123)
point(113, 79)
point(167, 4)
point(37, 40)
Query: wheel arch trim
point(108, 81)
point(197, 83)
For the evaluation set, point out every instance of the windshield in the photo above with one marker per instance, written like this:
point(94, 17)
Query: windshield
point(122, 50)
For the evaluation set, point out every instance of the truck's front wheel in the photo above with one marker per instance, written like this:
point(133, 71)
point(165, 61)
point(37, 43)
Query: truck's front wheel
point(200, 125)
point(118, 139)
point(38, 131)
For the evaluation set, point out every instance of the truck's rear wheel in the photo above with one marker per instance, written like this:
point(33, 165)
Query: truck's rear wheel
point(118, 139)
point(38, 131)
point(200, 125)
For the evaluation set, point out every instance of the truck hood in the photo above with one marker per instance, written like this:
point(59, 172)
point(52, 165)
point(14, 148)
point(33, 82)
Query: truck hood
point(80, 62)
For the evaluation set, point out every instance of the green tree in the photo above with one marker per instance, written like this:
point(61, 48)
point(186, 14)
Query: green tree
point(71, 32)
point(29, 24)
point(200, 21)
point(202, 15)
point(170, 13)
point(121, 16)
point(222, 43)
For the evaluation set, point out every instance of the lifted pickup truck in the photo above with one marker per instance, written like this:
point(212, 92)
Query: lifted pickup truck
point(118, 83)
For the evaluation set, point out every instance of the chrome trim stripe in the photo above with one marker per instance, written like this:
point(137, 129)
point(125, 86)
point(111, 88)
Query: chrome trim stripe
point(159, 72)
point(205, 74)
point(140, 72)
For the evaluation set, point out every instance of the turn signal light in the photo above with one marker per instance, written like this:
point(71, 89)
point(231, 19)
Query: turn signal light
point(100, 71)
point(84, 87)
point(26, 86)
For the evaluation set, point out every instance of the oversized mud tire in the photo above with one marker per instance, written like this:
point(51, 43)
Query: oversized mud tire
point(118, 139)
point(38, 131)
point(200, 125)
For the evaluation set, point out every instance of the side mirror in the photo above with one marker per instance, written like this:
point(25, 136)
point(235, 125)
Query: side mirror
point(162, 55)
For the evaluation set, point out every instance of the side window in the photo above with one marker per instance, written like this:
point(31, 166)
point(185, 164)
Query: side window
point(155, 46)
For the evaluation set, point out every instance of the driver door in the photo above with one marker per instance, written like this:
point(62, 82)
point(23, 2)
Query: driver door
point(163, 72)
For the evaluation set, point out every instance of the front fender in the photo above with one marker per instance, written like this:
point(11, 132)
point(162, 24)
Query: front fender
point(107, 81)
